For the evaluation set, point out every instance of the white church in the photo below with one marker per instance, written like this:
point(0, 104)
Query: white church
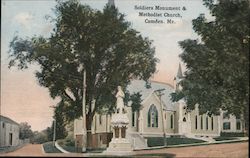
point(160, 117)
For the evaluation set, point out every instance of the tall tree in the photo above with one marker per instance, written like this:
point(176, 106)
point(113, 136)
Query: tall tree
point(60, 121)
point(25, 131)
point(217, 73)
point(101, 42)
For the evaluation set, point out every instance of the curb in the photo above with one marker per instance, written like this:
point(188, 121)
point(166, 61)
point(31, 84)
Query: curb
point(43, 149)
point(60, 148)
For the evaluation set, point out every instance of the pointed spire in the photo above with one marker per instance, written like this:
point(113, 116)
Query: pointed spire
point(111, 3)
point(179, 73)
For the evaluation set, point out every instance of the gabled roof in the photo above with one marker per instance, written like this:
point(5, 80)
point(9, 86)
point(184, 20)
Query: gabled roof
point(140, 86)
point(7, 120)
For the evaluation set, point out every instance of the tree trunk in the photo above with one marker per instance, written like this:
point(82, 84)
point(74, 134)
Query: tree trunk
point(89, 120)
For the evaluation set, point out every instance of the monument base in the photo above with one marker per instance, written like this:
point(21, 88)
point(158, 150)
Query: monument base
point(119, 146)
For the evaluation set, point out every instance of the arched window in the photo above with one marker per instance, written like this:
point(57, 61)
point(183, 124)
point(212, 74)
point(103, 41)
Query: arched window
point(196, 122)
point(212, 123)
point(133, 119)
point(100, 119)
point(171, 121)
point(201, 122)
point(152, 116)
point(206, 123)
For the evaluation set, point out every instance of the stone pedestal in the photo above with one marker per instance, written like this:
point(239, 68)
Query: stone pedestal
point(119, 144)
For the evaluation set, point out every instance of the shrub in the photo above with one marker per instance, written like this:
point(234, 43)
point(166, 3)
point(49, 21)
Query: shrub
point(224, 138)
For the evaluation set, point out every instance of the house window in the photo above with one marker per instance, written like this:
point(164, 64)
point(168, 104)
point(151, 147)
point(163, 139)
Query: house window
point(226, 126)
point(207, 123)
point(171, 121)
point(212, 123)
point(152, 116)
point(3, 125)
point(100, 119)
point(238, 125)
point(201, 122)
point(133, 119)
point(196, 122)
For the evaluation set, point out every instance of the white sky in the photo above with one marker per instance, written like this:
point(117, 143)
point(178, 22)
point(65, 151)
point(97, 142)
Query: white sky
point(22, 99)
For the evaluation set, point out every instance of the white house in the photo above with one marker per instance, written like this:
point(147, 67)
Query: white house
point(9, 132)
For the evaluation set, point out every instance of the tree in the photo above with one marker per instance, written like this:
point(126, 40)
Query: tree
point(49, 132)
point(40, 137)
point(101, 42)
point(136, 100)
point(217, 75)
point(25, 131)
point(60, 121)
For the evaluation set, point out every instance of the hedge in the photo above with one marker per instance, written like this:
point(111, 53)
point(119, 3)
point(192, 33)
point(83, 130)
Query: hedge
point(159, 141)
point(232, 134)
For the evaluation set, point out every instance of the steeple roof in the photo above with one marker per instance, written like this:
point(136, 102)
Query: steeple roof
point(111, 3)
point(179, 73)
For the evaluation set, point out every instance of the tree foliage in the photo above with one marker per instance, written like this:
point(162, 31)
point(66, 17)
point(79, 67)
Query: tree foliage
point(136, 100)
point(60, 121)
point(217, 73)
point(25, 131)
point(101, 42)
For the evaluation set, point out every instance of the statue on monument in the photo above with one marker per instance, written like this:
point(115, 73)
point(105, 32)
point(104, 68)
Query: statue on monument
point(119, 123)
point(119, 102)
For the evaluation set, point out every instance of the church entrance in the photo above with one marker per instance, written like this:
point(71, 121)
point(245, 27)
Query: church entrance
point(186, 126)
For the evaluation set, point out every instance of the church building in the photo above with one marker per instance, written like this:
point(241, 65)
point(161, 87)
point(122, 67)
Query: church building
point(159, 117)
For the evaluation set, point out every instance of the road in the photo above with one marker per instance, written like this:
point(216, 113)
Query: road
point(27, 150)
point(235, 150)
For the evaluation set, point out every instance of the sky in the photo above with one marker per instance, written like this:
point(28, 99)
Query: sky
point(23, 100)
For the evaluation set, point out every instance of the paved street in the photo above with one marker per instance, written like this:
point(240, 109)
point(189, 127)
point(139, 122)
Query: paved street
point(235, 150)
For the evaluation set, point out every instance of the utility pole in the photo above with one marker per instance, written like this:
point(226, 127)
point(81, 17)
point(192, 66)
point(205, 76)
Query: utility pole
point(54, 133)
point(160, 93)
point(54, 130)
point(84, 136)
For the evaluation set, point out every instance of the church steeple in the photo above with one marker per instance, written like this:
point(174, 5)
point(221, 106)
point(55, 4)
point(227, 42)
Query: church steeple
point(179, 76)
point(111, 3)
point(179, 73)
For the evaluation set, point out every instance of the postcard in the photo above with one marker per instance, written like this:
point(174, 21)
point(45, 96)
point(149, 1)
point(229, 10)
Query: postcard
point(124, 78)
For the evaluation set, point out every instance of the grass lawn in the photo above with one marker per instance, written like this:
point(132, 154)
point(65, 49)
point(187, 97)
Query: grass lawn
point(66, 145)
point(49, 148)
point(159, 141)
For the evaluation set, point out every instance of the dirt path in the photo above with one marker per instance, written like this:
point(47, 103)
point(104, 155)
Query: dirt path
point(27, 150)
point(233, 150)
